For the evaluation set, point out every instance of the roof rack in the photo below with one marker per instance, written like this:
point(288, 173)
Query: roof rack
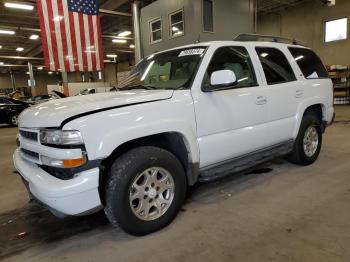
point(267, 38)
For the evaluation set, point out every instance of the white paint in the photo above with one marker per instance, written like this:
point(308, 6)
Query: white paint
point(216, 126)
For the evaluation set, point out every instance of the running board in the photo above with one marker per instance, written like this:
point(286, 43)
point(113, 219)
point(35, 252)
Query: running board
point(245, 162)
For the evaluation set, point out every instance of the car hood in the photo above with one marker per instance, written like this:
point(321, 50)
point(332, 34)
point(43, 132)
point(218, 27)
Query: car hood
point(53, 113)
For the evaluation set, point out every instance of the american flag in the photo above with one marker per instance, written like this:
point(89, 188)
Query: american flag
point(71, 35)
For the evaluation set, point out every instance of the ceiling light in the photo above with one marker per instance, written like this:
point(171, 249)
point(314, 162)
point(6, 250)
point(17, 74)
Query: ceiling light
point(40, 68)
point(125, 33)
point(112, 56)
point(132, 46)
point(0, 46)
point(57, 18)
point(119, 41)
point(50, 73)
point(33, 37)
point(27, 73)
point(299, 57)
point(19, 49)
point(19, 6)
point(1, 63)
point(7, 32)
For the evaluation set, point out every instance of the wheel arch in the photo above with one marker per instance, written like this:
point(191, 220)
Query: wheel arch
point(174, 142)
point(317, 108)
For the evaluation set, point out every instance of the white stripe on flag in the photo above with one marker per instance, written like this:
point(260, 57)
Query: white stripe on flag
point(97, 46)
point(77, 36)
point(57, 20)
point(68, 36)
point(87, 41)
point(48, 35)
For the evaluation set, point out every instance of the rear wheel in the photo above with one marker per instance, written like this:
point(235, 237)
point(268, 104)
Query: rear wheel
point(14, 120)
point(145, 190)
point(308, 144)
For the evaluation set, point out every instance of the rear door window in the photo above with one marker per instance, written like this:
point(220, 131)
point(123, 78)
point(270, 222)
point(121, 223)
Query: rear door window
point(275, 65)
point(310, 64)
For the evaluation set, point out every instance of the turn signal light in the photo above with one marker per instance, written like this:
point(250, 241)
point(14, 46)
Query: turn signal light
point(70, 163)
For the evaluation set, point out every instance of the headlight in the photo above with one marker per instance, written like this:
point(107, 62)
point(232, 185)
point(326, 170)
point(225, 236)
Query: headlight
point(60, 137)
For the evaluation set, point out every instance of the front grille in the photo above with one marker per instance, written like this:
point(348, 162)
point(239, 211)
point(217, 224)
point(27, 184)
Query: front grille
point(29, 135)
point(30, 153)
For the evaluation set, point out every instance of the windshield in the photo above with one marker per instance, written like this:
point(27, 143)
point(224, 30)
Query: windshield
point(169, 70)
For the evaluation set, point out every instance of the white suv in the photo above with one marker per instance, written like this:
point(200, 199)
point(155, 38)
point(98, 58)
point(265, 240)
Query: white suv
point(194, 113)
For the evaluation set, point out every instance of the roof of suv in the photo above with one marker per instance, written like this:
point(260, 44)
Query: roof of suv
point(246, 38)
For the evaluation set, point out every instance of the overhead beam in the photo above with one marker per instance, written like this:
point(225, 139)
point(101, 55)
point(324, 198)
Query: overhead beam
point(21, 57)
point(110, 12)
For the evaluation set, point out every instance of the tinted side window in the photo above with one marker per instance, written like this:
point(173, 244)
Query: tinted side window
point(4, 101)
point(276, 66)
point(310, 64)
point(236, 59)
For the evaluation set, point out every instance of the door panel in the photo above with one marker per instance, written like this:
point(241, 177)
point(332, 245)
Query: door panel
point(282, 91)
point(231, 122)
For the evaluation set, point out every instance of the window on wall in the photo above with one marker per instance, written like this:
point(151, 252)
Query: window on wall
point(336, 30)
point(156, 30)
point(208, 15)
point(177, 25)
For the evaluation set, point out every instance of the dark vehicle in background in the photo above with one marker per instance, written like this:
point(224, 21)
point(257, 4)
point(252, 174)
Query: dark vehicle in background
point(10, 110)
point(44, 98)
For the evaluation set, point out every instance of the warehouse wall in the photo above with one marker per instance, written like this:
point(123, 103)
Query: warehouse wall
point(231, 17)
point(43, 79)
point(306, 22)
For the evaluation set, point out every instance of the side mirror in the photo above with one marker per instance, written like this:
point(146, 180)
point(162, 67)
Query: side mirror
point(222, 79)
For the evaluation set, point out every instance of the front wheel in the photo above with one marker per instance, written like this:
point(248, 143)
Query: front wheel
point(145, 190)
point(14, 120)
point(308, 144)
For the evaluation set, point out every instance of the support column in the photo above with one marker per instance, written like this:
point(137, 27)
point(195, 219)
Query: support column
point(31, 79)
point(13, 80)
point(65, 83)
point(137, 30)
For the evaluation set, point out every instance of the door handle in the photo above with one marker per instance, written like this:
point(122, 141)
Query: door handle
point(261, 100)
point(299, 94)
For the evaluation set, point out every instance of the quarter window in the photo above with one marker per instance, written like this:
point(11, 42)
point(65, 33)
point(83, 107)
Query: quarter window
point(276, 66)
point(310, 64)
point(156, 30)
point(4, 101)
point(236, 59)
point(208, 15)
point(177, 26)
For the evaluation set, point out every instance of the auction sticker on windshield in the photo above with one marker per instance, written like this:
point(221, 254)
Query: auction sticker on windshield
point(197, 51)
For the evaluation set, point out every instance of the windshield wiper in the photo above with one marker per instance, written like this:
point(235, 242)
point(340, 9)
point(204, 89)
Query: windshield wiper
point(141, 87)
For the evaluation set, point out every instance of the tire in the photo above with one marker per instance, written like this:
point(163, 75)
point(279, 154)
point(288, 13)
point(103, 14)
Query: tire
point(129, 177)
point(13, 121)
point(306, 152)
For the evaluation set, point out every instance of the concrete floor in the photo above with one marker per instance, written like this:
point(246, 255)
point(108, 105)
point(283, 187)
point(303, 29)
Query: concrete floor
point(289, 214)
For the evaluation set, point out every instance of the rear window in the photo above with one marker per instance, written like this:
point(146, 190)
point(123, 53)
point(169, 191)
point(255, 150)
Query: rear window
point(310, 64)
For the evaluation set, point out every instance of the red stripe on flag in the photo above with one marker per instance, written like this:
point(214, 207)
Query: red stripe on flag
point(74, 41)
point(63, 37)
point(43, 35)
point(53, 34)
point(83, 42)
point(92, 43)
point(100, 49)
